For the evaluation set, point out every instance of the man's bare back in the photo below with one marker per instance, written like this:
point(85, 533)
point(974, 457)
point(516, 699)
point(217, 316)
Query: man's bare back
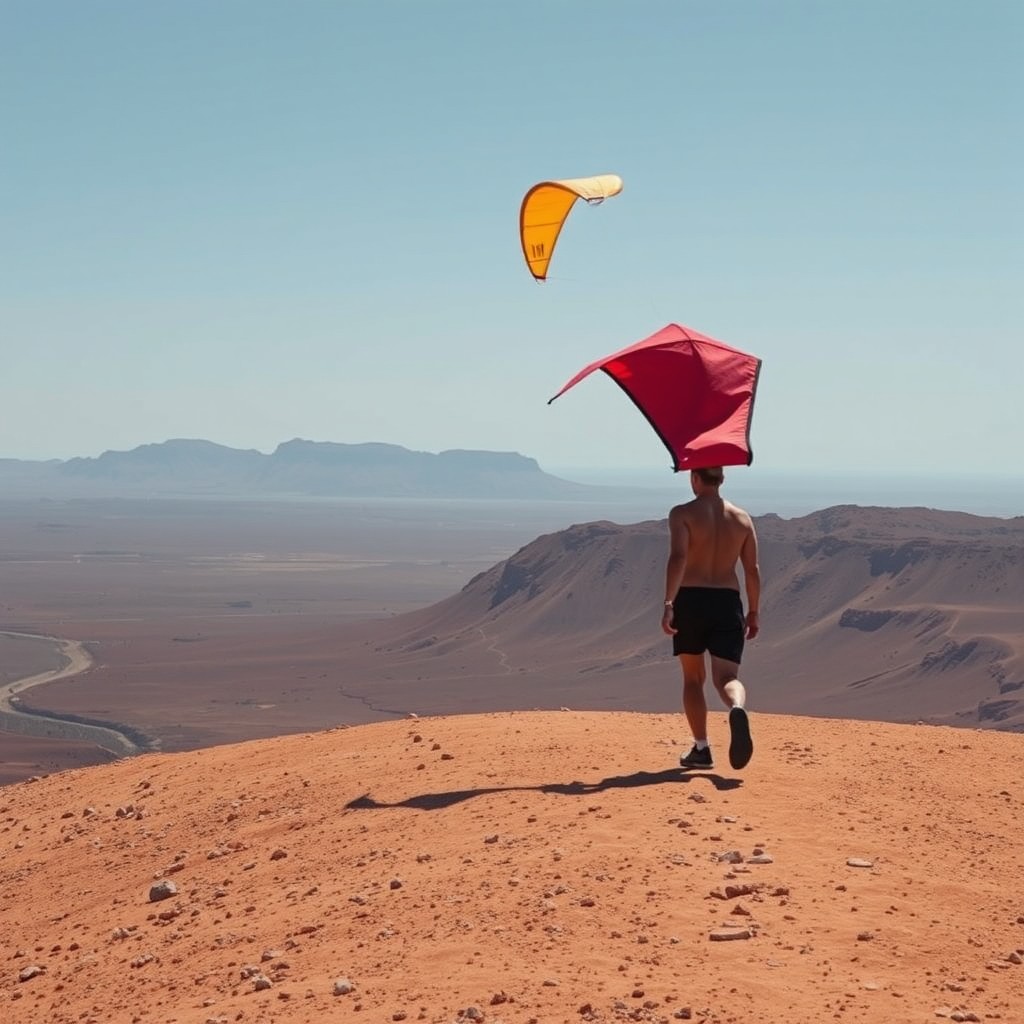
point(714, 533)
point(708, 536)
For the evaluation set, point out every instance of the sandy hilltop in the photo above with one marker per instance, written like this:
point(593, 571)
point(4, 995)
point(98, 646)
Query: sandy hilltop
point(523, 867)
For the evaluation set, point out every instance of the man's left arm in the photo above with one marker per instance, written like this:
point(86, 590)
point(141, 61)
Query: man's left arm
point(679, 534)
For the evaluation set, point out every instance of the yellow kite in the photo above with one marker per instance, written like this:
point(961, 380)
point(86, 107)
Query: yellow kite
point(545, 208)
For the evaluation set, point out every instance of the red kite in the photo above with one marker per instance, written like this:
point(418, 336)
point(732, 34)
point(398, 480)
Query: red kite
point(697, 394)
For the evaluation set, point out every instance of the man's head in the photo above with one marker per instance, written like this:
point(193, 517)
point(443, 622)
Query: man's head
point(705, 478)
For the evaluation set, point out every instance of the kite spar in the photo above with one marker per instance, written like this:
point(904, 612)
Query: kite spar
point(697, 393)
point(545, 208)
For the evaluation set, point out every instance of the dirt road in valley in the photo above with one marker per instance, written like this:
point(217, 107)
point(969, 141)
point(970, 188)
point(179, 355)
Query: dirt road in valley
point(13, 719)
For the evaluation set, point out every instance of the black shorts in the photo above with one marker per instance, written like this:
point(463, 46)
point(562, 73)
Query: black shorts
point(709, 619)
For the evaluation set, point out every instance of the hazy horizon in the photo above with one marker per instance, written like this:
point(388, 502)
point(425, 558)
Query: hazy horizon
point(789, 490)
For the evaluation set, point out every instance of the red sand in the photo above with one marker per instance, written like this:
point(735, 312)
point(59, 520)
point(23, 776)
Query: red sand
point(534, 867)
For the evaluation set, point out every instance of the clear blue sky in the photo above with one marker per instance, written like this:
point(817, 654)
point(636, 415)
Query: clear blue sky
point(251, 221)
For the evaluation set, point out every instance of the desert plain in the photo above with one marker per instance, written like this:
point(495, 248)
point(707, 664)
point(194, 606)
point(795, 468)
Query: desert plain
point(214, 621)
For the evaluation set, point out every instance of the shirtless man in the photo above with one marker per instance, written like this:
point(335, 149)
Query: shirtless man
point(703, 610)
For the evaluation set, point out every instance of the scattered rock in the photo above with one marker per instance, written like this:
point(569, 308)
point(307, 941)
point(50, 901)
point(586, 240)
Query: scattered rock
point(342, 986)
point(30, 972)
point(279, 854)
point(859, 862)
point(729, 934)
point(163, 890)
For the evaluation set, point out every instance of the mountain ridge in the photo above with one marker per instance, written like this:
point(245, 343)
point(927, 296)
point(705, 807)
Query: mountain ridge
point(194, 466)
point(895, 602)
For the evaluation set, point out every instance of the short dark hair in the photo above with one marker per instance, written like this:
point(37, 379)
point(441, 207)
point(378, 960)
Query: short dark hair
point(710, 475)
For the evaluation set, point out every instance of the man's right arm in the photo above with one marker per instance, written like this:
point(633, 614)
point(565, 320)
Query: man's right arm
point(752, 581)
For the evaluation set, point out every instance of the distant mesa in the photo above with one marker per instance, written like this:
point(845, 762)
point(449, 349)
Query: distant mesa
point(297, 468)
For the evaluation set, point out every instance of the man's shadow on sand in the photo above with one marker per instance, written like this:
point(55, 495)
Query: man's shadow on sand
point(437, 801)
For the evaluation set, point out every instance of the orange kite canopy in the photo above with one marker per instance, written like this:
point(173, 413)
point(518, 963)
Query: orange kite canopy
point(545, 208)
point(697, 394)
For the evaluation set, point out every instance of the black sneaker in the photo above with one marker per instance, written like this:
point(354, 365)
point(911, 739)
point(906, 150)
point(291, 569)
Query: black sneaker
point(697, 759)
point(741, 746)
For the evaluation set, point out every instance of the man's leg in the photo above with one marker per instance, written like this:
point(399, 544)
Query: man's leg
point(725, 676)
point(734, 696)
point(696, 710)
point(694, 705)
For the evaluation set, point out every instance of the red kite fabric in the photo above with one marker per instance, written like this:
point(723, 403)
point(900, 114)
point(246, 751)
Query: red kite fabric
point(697, 394)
